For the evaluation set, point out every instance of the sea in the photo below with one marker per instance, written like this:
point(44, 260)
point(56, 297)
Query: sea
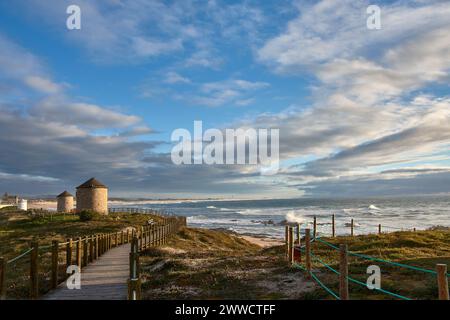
point(266, 218)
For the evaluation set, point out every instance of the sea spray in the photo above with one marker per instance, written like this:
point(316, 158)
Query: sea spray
point(293, 217)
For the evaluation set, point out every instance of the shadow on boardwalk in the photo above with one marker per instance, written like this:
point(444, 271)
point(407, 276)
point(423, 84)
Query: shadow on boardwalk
point(104, 279)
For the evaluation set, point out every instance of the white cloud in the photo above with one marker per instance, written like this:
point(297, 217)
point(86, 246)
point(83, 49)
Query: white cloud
point(42, 84)
point(328, 30)
point(367, 112)
point(235, 91)
point(173, 77)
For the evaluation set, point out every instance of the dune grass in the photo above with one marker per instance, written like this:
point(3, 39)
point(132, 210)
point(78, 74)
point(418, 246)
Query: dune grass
point(209, 264)
point(422, 249)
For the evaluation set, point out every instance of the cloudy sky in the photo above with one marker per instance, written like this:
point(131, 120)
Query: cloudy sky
point(360, 112)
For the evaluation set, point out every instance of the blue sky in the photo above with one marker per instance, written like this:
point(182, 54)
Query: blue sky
point(354, 106)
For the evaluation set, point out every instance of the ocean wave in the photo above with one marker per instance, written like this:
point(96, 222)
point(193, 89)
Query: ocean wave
point(211, 207)
point(373, 207)
point(294, 217)
point(264, 211)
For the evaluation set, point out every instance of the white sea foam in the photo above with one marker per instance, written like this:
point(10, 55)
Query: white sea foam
point(292, 216)
point(373, 207)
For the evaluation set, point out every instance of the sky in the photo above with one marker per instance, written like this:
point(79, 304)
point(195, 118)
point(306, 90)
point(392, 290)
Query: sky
point(360, 112)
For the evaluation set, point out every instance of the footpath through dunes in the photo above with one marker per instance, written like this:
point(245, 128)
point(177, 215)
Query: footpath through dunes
point(104, 279)
point(209, 264)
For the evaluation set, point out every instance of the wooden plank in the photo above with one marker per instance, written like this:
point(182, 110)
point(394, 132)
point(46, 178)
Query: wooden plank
point(105, 279)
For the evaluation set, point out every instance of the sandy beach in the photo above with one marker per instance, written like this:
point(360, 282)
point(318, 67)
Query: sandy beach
point(263, 242)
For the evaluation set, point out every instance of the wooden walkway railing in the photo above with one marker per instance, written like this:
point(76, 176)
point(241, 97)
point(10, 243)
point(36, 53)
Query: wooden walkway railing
point(149, 236)
point(47, 265)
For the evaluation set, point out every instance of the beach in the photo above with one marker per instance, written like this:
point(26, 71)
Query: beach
point(263, 242)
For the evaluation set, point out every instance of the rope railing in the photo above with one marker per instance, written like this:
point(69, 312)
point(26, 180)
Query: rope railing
point(295, 250)
point(149, 236)
point(366, 257)
point(357, 281)
point(19, 256)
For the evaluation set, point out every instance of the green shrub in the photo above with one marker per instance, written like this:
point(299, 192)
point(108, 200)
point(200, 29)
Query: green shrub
point(87, 215)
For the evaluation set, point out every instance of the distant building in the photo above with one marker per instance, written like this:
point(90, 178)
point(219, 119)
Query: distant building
point(23, 205)
point(9, 199)
point(65, 202)
point(92, 195)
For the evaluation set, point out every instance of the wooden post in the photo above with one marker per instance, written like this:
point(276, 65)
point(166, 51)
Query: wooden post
point(128, 236)
point(157, 235)
point(91, 248)
point(288, 247)
point(96, 247)
point(343, 272)
point(333, 226)
point(78, 252)
point(134, 285)
point(315, 227)
point(351, 227)
point(379, 228)
point(291, 246)
point(100, 244)
point(54, 278)
point(2, 279)
point(286, 234)
point(34, 277)
point(150, 235)
point(298, 234)
point(122, 238)
point(85, 251)
point(145, 238)
point(442, 281)
point(308, 251)
point(69, 253)
point(116, 240)
point(299, 251)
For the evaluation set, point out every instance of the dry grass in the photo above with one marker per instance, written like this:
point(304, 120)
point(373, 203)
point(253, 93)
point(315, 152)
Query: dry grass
point(208, 264)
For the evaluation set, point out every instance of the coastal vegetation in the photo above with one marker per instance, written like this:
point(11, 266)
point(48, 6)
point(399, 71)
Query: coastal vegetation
point(208, 264)
point(212, 264)
point(216, 264)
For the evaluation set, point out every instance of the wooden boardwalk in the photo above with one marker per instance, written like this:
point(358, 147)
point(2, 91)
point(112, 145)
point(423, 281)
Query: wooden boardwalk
point(104, 279)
